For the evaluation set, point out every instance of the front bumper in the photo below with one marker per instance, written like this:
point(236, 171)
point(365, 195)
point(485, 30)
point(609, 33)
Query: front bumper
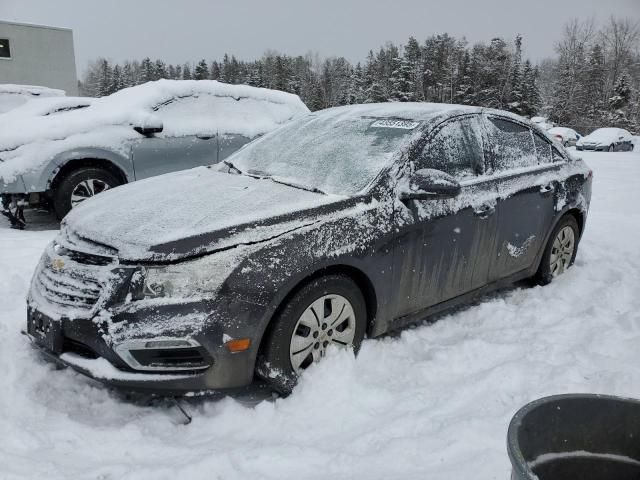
point(592, 148)
point(90, 347)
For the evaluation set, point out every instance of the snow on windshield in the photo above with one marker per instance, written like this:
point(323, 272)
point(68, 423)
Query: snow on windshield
point(336, 152)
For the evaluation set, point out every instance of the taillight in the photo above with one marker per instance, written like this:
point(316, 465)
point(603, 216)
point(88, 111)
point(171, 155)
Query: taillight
point(590, 174)
point(558, 137)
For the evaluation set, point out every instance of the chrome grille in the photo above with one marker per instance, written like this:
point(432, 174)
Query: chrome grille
point(68, 284)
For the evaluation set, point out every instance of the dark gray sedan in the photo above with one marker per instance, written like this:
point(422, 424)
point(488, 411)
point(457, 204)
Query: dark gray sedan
point(345, 223)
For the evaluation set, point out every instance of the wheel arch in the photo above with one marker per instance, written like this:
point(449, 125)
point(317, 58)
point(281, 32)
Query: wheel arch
point(76, 163)
point(360, 278)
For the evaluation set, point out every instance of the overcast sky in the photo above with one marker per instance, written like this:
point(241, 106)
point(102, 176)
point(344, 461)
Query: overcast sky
point(187, 30)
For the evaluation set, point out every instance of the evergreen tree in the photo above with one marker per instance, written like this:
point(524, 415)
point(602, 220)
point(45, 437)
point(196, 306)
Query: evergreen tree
point(147, 71)
point(516, 87)
point(186, 72)
point(214, 74)
point(160, 70)
point(402, 85)
point(201, 72)
point(117, 80)
point(105, 78)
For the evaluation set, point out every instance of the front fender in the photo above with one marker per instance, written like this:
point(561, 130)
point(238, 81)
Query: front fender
point(121, 160)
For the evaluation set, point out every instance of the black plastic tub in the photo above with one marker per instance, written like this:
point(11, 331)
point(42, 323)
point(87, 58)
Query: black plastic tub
point(576, 436)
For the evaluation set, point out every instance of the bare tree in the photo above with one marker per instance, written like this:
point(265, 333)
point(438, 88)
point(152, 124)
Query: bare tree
point(620, 38)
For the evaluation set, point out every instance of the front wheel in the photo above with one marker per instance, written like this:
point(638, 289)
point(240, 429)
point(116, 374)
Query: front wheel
point(79, 185)
point(560, 252)
point(329, 311)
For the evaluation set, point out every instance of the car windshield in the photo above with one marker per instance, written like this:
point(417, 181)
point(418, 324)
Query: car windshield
point(332, 152)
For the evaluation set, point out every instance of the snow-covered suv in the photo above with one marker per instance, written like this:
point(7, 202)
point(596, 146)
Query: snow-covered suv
point(139, 132)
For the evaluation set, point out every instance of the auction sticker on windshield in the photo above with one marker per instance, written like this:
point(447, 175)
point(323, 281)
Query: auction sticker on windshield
point(395, 123)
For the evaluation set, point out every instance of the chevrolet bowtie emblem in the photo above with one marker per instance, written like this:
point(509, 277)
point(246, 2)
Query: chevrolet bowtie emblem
point(57, 263)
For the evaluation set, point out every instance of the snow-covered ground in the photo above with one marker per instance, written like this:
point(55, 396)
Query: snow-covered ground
point(431, 403)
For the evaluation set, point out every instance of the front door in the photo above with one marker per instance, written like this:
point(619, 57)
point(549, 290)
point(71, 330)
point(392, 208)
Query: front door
point(162, 154)
point(443, 245)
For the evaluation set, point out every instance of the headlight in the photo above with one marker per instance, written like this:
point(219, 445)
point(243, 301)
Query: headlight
point(196, 278)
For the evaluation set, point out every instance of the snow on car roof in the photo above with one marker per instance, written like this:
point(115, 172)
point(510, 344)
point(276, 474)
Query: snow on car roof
point(239, 109)
point(561, 130)
point(32, 90)
point(419, 111)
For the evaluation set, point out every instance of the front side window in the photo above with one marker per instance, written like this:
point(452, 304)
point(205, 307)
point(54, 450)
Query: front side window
point(511, 145)
point(543, 149)
point(5, 48)
point(456, 149)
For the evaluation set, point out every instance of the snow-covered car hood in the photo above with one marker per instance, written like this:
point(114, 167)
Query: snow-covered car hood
point(191, 212)
point(28, 142)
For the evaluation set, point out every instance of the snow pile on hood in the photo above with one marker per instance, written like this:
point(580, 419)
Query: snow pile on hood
point(108, 122)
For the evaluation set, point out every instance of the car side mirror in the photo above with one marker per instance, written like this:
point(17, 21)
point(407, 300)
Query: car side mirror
point(147, 124)
point(427, 184)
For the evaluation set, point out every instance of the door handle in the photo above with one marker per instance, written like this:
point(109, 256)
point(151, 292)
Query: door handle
point(484, 211)
point(547, 188)
point(205, 136)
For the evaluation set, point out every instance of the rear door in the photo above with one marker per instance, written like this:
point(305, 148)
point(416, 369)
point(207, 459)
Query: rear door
point(188, 139)
point(442, 251)
point(522, 166)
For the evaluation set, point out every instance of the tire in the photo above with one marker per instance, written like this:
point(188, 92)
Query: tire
point(298, 318)
point(97, 177)
point(612, 148)
point(549, 269)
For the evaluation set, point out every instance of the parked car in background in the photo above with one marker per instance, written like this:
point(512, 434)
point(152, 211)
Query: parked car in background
point(346, 222)
point(136, 133)
point(41, 107)
point(12, 96)
point(542, 122)
point(566, 136)
point(607, 139)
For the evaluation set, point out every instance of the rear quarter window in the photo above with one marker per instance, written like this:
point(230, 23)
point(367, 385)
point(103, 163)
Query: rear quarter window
point(510, 145)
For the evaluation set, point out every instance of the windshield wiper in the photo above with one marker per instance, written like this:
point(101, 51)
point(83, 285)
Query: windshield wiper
point(232, 166)
point(295, 184)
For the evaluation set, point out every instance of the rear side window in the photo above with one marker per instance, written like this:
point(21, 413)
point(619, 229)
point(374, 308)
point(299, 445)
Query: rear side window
point(511, 145)
point(456, 149)
point(543, 149)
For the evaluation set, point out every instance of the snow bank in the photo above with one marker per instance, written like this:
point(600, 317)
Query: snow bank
point(433, 402)
point(27, 143)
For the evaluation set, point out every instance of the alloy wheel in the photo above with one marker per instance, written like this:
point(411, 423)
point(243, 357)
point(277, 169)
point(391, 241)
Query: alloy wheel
point(562, 251)
point(87, 189)
point(329, 320)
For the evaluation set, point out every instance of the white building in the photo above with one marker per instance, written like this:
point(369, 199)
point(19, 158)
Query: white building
point(37, 55)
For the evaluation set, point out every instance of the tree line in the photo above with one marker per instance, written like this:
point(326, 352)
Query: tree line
point(593, 79)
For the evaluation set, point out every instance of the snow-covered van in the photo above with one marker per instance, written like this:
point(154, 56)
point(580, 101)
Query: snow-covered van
point(136, 133)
